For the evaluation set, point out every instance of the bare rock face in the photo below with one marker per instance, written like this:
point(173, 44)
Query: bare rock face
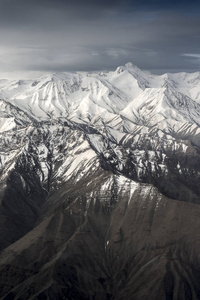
point(100, 195)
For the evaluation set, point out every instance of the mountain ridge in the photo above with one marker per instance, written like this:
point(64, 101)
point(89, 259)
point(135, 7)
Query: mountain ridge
point(99, 186)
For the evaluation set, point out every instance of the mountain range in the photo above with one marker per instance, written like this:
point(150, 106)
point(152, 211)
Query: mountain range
point(100, 186)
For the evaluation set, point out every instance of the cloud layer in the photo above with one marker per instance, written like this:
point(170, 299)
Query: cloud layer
point(74, 35)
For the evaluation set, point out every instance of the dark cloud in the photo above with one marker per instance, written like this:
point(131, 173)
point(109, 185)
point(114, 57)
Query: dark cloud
point(72, 35)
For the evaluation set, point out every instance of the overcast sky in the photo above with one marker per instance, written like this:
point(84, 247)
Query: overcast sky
point(89, 35)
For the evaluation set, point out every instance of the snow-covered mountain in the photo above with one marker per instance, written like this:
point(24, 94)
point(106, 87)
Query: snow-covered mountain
point(100, 194)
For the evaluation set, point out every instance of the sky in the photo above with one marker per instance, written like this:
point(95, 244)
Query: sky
point(38, 36)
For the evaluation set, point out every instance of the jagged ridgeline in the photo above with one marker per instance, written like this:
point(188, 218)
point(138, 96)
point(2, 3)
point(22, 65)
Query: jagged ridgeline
point(100, 186)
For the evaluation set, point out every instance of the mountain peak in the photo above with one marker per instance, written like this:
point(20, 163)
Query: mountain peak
point(50, 77)
point(129, 67)
point(55, 76)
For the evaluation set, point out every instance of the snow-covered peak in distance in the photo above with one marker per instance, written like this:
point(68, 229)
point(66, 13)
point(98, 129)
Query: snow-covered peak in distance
point(128, 66)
